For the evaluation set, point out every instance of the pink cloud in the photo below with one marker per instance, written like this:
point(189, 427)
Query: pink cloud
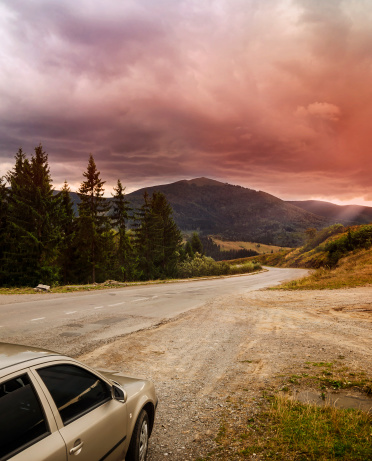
point(322, 110)
point(272, 95)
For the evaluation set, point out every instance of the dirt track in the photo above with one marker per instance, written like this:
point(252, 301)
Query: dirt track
point(236, 346)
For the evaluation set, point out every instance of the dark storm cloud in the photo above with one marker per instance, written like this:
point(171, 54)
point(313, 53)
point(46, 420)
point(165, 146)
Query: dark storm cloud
point(273, 95)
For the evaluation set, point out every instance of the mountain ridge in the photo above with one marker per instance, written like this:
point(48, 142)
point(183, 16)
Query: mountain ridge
point(233, 212)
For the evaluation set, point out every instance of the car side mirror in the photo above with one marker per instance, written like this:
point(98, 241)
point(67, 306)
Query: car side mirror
point(119, 394)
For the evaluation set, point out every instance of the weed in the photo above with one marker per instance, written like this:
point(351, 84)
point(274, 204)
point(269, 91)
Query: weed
point(285, 429)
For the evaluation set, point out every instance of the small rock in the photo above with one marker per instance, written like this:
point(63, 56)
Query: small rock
point(42, 287)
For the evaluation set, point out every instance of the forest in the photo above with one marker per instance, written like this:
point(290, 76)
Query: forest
point(43, 240)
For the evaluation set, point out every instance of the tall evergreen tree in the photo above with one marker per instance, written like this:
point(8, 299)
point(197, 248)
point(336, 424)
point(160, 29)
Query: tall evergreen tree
point(124, 260)
point(3, 227)
point(157, 238)
point(67, 244)
point(143, 239)
point(169, 241)
point(196, 244)
point(93, 223)
point(33, 235)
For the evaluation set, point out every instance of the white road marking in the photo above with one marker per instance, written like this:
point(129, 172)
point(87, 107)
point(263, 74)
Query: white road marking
point(140, 299)
point(72, 312)
point(117, 304)
point(99, 307)
point(40, 318)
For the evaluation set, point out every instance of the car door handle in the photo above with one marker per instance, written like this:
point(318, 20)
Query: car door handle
point(77, 447)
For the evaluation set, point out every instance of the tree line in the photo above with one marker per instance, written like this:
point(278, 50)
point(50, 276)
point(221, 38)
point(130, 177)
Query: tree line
point(43, 241)
point(213, 250)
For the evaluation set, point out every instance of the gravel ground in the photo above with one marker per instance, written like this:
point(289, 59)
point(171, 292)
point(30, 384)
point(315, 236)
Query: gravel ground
point(236, 346)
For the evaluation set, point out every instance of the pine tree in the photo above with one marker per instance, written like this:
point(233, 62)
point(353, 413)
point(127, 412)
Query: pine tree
point(196, 244)
point(45, 212)
point(16, 258)
point(143, 240)
point(124, 257)
point(168, 244)
point(188, 249)
point(67, 244)
point(157, 238)
point(93, 223)
point(33, 234)
point(3, 227)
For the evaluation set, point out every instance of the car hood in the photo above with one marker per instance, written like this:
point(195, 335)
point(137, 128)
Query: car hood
point(130, 384)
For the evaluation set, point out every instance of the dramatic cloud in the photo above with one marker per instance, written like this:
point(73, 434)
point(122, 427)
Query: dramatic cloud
point(321, 110)
point(273, 95)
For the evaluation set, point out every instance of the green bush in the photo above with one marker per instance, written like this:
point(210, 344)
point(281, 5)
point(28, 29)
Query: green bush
point(249, 266)
point(201, 266)
point(359, 239)
point(323, 235)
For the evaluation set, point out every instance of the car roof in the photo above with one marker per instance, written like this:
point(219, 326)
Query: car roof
point(14, 354)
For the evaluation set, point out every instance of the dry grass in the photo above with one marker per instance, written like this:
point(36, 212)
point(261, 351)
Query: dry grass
point(284, 429)
point(352, 271)
point(259, 247)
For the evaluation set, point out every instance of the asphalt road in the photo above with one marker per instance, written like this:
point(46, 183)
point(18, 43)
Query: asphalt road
point(61, 320)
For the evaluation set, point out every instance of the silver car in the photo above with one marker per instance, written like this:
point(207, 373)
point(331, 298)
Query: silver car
point(54, 408)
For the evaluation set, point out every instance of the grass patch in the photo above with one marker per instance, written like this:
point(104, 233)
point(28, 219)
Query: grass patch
point(354, 270)
point(285, 429)
point(328, 375)
point(260, 248)
point(308, 432)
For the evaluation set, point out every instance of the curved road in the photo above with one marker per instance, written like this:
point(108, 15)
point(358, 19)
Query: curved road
point(70, 322)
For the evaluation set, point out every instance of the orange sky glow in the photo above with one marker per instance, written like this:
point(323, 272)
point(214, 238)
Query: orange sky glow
point(273, 95)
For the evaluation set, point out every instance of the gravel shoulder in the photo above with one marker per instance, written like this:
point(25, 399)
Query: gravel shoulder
point(236, 346)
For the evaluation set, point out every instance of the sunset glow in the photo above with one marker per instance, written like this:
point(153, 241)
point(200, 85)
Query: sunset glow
point(273, 95)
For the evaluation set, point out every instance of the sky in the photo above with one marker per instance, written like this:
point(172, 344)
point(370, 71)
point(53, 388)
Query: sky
point(274, 95)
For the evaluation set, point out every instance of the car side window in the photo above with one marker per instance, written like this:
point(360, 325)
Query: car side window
point(22, 420)
point(75, 390)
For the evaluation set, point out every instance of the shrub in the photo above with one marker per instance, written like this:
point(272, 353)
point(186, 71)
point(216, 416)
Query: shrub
point(353, 240)
point(201, 265)
point(323, 235)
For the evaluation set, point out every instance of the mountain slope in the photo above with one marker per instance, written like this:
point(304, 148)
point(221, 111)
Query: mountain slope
point(342, 257)
point(344, 214)
point(233, 212)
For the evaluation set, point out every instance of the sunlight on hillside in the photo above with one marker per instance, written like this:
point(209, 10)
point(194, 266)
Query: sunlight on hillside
point(259, 247)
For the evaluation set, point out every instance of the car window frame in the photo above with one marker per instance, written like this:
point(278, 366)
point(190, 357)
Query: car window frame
point(44, 406)
point(49, 396)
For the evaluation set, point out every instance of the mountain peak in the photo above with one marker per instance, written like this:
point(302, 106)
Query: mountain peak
point(203, 182)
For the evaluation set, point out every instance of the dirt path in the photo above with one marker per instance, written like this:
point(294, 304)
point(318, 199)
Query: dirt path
point(236, 346)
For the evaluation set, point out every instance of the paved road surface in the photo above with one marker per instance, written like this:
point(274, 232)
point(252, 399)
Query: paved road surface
point(90, 317)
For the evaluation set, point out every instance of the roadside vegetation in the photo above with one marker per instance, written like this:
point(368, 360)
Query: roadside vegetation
point(286, 429)
point(200, 265)
point(276, 426)
point(340, 257)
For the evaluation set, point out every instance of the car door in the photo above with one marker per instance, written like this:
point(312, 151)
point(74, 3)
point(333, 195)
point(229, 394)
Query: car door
point(92, 423)
point(28, 430)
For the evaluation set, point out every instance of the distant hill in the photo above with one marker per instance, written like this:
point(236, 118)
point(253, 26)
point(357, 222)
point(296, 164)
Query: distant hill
point(233, 212)
point(343, 214)
point(238, 213)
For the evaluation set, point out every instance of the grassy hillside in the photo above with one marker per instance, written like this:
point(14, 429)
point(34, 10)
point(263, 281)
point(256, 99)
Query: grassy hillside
point(341, 257)
point(260, 248)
